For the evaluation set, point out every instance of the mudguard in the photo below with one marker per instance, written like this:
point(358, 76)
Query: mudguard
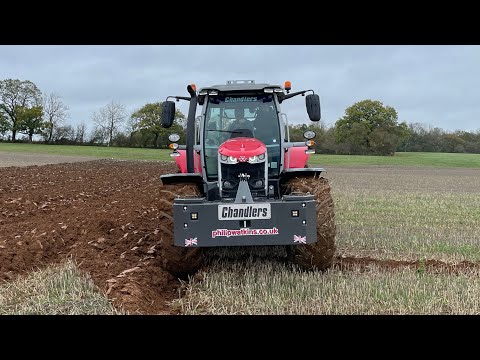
point(298, 158)
point(182, 161)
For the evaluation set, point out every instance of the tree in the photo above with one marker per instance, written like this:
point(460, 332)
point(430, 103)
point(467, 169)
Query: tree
point(64, 134)
point(15, 94)
point(121, 139)
point(325, 142)
point(97, 136)
point(108, 120)
point(452, 143)
point(30, 120)
point(80, 134)
point(4, 126)
point(149, 118)
point(369, 127)
point(55, 113)
point(296, 132)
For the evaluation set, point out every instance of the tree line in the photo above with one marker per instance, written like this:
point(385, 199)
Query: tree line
point(371, 128)
point(24, 109)
point(368, 127)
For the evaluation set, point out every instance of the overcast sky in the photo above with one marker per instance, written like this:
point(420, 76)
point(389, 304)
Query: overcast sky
point(435, 85)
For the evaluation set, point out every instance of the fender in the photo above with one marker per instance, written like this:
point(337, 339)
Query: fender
point(298, 158)
point(182, 162)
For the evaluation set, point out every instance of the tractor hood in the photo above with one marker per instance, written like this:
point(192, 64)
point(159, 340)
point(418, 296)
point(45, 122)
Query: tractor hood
point(242, 147)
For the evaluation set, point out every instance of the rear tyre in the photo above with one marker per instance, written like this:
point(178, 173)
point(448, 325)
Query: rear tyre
point(176, 260)
point(319, 254)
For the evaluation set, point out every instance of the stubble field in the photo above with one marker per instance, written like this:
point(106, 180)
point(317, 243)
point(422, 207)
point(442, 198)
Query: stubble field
point(408, 242)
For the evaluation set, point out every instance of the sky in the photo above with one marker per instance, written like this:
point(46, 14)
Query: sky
point(434, 85)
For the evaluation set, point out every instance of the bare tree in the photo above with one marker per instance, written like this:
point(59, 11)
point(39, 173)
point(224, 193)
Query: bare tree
point(97, 136)
point(55, 113)
point(108, 120)
point(80, 133)
point(64, 134)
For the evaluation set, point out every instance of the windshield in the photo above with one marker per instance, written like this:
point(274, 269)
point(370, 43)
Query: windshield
point(241, 115)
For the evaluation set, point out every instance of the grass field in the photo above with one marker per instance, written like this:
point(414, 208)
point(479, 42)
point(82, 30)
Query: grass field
point(400, 159)
point(94, 151)
point(59, 289)
point(408, 213)
point(265, 287)
point(403, 159)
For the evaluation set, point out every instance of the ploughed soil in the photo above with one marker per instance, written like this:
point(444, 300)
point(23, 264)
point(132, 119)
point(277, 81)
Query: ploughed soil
point(362, 264)
point(102, 213)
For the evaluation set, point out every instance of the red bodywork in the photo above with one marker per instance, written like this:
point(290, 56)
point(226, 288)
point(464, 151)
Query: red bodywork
point(182, 162)
point(242, 149)
point(298, 158)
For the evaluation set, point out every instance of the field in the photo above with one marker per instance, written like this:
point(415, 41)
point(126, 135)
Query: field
point(90, 151)
point(80, 238)
point(408, 243)
point(400, 159)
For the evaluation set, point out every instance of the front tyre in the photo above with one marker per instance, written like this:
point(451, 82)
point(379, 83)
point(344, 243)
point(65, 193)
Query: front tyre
point(319, 254)
point(176, 260)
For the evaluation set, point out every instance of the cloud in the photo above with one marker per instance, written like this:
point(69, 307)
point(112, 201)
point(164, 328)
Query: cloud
point(430, 84)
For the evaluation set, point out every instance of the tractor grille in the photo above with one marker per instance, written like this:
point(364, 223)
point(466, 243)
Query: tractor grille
point(230, 173)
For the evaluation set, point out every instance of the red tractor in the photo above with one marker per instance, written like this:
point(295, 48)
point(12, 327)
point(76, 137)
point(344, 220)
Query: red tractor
point(241, 181)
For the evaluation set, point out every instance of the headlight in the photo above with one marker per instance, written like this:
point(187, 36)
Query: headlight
point(228, 159)
point(309, 135)
point(232, 160)
point(173, 137)
point(256, 159)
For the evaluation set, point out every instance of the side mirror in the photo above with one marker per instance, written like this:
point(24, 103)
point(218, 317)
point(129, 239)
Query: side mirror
point(312, 101)
point(168, 113)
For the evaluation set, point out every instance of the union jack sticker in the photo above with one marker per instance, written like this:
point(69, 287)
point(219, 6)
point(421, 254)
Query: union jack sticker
point(190, 242)
point(299, 239)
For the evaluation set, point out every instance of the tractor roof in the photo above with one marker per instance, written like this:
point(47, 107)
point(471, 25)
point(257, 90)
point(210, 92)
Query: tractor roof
point(238, 85)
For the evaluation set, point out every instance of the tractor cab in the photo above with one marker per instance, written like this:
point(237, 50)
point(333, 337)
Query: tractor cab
point(240, 135)
point(238, 125)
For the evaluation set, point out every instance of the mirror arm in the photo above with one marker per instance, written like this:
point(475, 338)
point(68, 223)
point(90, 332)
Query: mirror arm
point(285, 97)
point(179, 98)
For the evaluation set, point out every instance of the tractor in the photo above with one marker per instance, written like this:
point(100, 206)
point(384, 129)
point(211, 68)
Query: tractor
point(241, 181)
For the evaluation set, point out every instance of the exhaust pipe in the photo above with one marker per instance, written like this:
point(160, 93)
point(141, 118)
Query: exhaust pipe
point(191, 128)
